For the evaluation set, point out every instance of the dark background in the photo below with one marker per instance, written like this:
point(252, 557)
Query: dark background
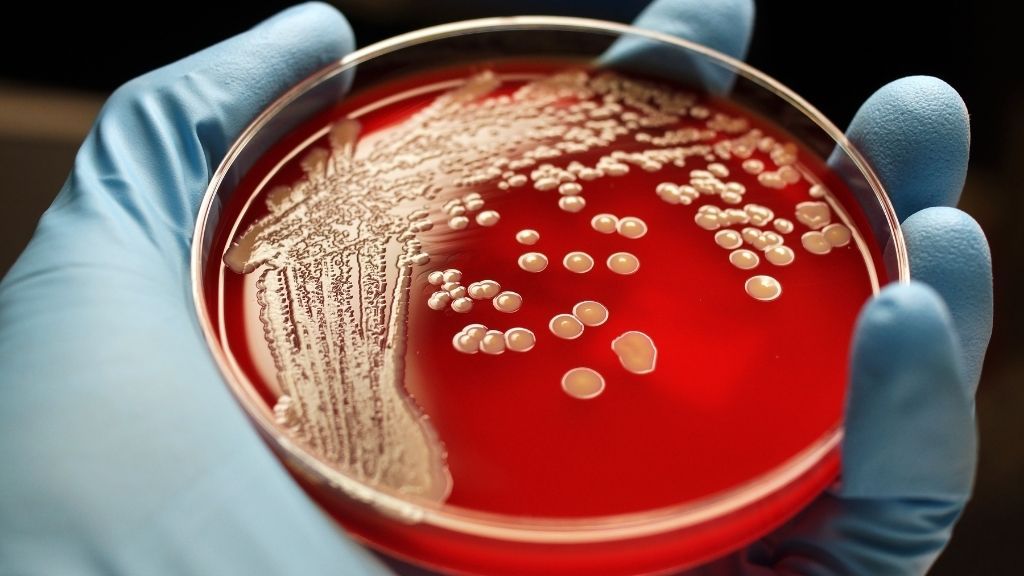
point(834, 55)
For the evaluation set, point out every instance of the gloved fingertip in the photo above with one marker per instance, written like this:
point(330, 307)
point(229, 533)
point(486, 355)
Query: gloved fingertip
point(319, 24)
point(909, 425)
point(901, 316)
point(949, 252)
point(916, 134)
point(724, 25)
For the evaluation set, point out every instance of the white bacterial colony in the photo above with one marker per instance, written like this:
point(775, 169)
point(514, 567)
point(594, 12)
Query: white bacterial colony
point(527, 237)
point(744, 259)
point(583, 383)
point(572, 203)
point(508, 302)
point(590, 313)
point(636, 352)
point(338, 251)
point(566, 326)
point(604, 223)
point(533, 262)
point(578, 262)
point(763, 288)
point(631, 227)
point(623, 263)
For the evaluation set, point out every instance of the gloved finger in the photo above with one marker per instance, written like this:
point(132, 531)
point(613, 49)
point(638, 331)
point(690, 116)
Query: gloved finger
point(160, 136)
point(909, 419)
point(724, 25)
point(949, 252)
point(910, 449)
point(915, 133)
point(908, 455)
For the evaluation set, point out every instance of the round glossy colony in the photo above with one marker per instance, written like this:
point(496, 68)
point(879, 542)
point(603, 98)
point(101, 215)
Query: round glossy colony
point(604, 223)
point(566, 326)
point(764, 288)
point(583, 383)
point(578, 262)
point(527, 237)
point(533, 262)
point(590, 313)
point(623, 263)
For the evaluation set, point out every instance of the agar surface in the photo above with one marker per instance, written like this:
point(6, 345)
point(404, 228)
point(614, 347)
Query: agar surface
point(340, 248)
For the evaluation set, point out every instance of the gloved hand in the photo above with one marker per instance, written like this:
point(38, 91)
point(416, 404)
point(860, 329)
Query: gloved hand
point(122, 452)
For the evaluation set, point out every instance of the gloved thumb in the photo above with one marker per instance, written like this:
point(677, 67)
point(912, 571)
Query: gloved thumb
point(158, 139)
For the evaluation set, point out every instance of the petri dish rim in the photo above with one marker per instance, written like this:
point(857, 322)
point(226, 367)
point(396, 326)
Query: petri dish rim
point(583, 530)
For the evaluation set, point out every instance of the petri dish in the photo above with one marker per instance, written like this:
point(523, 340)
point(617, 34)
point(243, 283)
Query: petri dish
point(544, 295)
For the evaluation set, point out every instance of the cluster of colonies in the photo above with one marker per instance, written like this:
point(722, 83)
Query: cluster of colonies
point(609, 120)
point(458, 211)
point(579, 262)
point(816, 215)
point(749, 232)
point(326, 252)
point(635, 350)
point(478, 338)
point(459, 298)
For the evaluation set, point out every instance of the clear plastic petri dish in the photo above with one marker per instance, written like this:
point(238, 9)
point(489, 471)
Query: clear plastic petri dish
point(544, 295)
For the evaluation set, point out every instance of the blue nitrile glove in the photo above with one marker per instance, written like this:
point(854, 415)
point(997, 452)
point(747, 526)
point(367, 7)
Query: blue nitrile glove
point(122, 452)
